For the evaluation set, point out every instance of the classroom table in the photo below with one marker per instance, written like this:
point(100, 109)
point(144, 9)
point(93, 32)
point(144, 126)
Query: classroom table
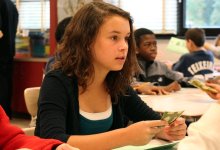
point(155, 144)
point(193, 101)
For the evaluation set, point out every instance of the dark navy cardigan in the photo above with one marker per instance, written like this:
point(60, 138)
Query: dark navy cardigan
point(58, 111)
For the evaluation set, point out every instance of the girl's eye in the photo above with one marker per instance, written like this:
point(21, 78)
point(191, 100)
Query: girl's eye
point(114, 38)
point(127, 38)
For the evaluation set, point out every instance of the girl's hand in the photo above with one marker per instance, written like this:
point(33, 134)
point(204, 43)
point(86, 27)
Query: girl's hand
point(141, 133)
point(175, 131)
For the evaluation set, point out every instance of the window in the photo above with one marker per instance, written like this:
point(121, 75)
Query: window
point(157, 15)
point(34, 14)
point(201, 14)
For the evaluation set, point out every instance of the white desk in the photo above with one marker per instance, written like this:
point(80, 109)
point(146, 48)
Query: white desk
point(193, 101)
point(153, 144)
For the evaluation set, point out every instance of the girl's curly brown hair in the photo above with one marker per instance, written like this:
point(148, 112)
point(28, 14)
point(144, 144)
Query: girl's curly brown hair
point(76, 59)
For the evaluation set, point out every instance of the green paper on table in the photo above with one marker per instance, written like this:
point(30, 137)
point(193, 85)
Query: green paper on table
point(201, 85)
point(177, 45)
point(170, 117)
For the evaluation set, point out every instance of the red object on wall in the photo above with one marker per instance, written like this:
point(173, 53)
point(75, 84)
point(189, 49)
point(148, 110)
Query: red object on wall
point(53, 25)
point(26, 74)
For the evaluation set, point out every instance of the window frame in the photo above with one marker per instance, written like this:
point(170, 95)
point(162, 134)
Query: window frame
point(210, 32)
point(43, 26)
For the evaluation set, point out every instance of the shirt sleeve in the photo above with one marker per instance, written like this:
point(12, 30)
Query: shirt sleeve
point(203, 134)
point(12, 137)
point(178, 66)
point(52, 110)
point(216, 52)
point(136, 109)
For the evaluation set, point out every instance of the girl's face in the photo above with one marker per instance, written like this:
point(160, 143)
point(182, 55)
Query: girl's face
point(110, 47)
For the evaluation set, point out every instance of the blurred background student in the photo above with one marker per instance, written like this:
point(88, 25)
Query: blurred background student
point(214, 48)
point(60, 30)
point(8, 27)
point(198, 61)
point(204, 134)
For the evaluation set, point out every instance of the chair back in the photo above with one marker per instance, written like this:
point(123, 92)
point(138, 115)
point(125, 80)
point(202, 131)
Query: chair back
point(31, 96)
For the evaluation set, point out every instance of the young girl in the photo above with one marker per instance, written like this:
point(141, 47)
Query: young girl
point(86, 100)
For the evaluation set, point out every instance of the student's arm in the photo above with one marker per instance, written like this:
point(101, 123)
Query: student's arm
point(214, 49)
point(203, 134)
point(180, 64)
point(52, 109)
point(136, 134)
point(171, 74)
point(53, 119)
point(137, 110)
point(12, 137)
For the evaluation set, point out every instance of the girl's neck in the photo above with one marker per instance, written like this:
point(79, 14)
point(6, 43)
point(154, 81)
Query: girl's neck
point(99, 78)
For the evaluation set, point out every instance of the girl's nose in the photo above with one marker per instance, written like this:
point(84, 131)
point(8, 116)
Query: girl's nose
point(123, 45)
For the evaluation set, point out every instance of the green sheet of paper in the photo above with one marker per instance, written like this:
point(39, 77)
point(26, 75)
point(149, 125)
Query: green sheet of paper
point(177, 45)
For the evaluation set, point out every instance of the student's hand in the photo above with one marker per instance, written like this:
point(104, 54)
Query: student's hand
point(215, 80)
point(150, 89)
point(173, 87)
point(141, 133)
point(175, 131)
point(65, 146)
point(214, 95)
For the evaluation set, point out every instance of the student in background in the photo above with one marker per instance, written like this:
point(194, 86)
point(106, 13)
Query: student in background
point(204, 134)
point(214, 48)
point(153, 71)
point(86, 99)
point(58, 36)
point(8, 28)
point(198, 61)
point(12, 137)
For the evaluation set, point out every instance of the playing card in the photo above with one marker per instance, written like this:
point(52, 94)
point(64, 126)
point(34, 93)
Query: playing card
point(201, 85)
point(170, 117)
